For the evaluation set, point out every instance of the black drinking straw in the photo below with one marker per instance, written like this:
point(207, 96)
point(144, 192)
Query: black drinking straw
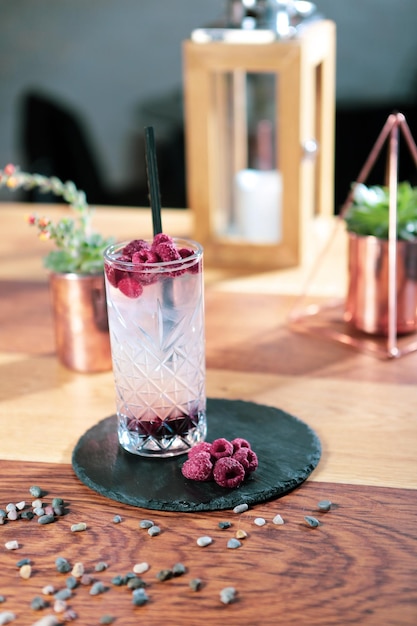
point(153, 180)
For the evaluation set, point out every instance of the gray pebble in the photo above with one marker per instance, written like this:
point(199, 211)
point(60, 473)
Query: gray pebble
point(63, 594)
point(179, 569)
point(312, 521)
point(139, 597)
point(259, 521)
point(101, 566)
point(204, 541)
point(62, 565)
point(6, 617)
point(38, 603)
point(153, 531)
point(278, 521)
point(35, 491)
point(146, 523)
point(117, 519)
point(233, 543)
point(324, 505)
point(97, 588)
point(228, 595)
point(11, 507)
point(46, 519)
point(195, 584)
point(78, 528)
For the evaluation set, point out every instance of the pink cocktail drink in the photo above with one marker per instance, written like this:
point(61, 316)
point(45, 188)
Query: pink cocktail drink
point(155, 301)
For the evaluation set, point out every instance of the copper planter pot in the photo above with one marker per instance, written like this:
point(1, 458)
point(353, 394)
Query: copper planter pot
point(367, 304)
point(80, 319)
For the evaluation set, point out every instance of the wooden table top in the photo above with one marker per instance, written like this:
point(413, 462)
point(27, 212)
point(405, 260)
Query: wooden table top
point(357, 567)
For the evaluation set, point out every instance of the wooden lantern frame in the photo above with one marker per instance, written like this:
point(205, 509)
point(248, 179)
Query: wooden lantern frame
point(305, 102)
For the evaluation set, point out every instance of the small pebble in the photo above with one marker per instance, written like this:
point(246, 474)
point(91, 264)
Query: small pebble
point(241, 508)
point(241, 534)
point(57, 502)
point(77, 528)
point(204, 541)
point(47, 620)
point(6, 617)
point(58, 510)
point(228, 595)
point(179, 569)
point(63, 594)
point(107, 619)
point(60, 606)
point(37, 504)
point(101, 566)
point(259, 521)
point(135, 583)
point(224, 525)
point(3, 513)
point(25, 571)
point(71, 582)
point(195, 584)
point(278, 521)
point(49, 510)
point(11, 545)
point(12, 515)
point(69, 615)
point(139, 597)
point(146, 523)
point(78, 570)
point(164, 574)
point(25, 561)
point(233, 543)
point(86, 579)
point(46, 519)
point(141, 568)
point(38, 603)
point(117, 519)
point(27, 515)
point(39, 510)
point(312, 521)
point(2, 599)
point(48, 590)
point(324, 505)
point(35, 491)
point(153, 531)
point(97, 588)
point(11, 507)
point(118, 580)
point(62, 565)
point(20, 505)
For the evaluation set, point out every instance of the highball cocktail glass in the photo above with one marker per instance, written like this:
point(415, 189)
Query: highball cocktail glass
point(156, 323)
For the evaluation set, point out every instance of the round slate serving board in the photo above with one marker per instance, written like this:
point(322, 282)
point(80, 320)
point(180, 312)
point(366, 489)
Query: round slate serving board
point(288, 451)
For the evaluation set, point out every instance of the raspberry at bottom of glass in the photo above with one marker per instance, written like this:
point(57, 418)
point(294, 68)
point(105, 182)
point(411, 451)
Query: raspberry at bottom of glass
point(162, 438)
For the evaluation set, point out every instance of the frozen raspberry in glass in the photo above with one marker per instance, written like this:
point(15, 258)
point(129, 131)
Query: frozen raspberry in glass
point(135, 246)
point(130, 287)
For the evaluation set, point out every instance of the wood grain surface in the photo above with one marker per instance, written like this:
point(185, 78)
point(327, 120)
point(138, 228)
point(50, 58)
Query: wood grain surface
point(357, 567)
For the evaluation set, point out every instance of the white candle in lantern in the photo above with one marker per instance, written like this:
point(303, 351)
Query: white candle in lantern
point(258, 196)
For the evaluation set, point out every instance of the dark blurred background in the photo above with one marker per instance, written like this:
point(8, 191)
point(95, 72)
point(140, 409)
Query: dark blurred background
point(80, 79)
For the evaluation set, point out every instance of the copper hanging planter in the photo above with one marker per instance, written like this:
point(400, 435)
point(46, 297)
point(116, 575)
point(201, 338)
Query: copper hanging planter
point(80, 319)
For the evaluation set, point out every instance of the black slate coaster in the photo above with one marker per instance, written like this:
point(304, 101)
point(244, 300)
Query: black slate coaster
point(288, 451)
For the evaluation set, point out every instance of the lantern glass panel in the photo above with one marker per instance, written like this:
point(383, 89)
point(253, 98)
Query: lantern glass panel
point(249, 186)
